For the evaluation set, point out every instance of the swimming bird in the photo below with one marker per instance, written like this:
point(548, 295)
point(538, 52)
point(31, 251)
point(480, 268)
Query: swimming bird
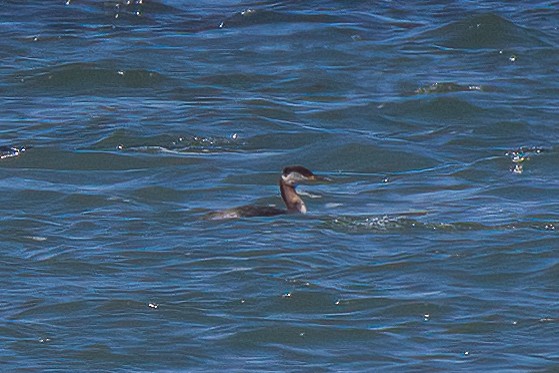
point(290, 177)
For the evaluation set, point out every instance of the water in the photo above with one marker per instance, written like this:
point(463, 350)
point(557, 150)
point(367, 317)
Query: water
point(434, 248)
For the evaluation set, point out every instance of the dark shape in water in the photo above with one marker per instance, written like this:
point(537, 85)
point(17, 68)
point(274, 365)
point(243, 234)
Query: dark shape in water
point(291, 176)
point(447, 87)
point(11, 151)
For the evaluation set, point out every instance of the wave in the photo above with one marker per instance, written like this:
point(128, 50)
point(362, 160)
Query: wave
point(406, 222)
point(437, 107)
point(87, 78)
point(119, 141)
point(448, 87)
point(487, 31)
point(251, 17)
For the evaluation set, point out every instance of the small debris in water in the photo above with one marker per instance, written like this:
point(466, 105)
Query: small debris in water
point(36, 238)
point(521, 155)
point(517, 169)
point(11, 151)
point(248, 12)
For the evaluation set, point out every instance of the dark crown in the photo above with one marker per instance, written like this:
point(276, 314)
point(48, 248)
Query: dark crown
point(299, 169)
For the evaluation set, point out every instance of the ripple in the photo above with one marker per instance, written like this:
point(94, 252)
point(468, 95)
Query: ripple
point(123, 142)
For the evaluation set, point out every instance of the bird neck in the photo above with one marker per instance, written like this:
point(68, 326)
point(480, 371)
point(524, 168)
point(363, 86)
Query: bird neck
point(292, 201)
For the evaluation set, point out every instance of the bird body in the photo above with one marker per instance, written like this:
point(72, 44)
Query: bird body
point(291, 176)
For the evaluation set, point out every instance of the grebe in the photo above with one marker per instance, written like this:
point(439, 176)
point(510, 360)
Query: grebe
point(291, 176)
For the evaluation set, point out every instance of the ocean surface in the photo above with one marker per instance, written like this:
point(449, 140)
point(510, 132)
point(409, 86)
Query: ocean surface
point(434, 248)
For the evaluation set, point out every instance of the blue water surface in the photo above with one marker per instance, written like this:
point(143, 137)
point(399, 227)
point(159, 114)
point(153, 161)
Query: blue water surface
point(433, 248)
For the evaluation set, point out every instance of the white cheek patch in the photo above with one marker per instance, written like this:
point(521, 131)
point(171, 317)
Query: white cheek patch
point(292, 178)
